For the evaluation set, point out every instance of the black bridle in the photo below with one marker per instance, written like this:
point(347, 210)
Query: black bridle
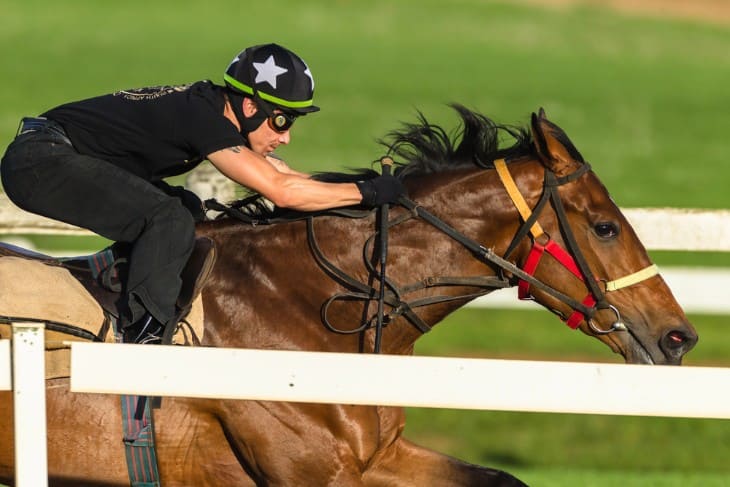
point(393, 295)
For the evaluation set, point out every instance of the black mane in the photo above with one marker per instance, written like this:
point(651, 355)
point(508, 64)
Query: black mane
point(428, 148)
point(424, 148)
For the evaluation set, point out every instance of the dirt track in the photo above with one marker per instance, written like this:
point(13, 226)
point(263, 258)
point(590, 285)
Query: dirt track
point(712, 11)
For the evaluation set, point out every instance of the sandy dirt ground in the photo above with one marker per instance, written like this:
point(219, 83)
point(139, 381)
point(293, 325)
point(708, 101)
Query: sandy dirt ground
point(712, 11)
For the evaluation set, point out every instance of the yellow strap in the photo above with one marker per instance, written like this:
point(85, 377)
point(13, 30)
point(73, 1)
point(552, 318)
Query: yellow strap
point(632, 279)
point(514, 193)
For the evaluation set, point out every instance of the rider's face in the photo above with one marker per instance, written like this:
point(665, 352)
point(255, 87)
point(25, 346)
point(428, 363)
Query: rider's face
point(265, 139)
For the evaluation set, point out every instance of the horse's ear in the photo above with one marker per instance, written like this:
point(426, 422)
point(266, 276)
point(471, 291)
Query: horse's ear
point(537, 135)
point(553, 147)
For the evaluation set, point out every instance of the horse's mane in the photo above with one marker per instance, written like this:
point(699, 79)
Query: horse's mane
point(425, 148)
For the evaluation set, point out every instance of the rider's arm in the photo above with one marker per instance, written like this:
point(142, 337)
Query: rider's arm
point(285, 190)
point(282, 166)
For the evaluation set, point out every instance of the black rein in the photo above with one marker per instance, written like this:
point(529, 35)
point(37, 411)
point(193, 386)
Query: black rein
point(393, 296)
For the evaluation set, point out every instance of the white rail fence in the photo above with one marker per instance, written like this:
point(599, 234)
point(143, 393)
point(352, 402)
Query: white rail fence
point(435, 382)
point(558, 387)
point(347, 378)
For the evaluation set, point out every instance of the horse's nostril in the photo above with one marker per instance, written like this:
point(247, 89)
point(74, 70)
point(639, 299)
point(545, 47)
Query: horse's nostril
point(677, 342)
point(676, 337)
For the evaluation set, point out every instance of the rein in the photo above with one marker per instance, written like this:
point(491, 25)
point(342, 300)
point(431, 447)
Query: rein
point(574, 261)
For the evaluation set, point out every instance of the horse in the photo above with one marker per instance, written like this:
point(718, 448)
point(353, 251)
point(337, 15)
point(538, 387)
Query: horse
point(478, 217)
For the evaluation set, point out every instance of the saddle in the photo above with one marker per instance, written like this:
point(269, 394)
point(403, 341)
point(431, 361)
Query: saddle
point(79, 298)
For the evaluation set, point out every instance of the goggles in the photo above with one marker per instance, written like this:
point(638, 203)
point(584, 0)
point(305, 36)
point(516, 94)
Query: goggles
point(281, 122)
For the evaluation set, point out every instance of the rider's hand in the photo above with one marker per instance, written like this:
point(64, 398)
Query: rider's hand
point(380, 190)
point(260, 206)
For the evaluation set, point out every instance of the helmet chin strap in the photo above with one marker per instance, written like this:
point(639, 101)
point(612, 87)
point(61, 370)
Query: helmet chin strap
point(247, 124)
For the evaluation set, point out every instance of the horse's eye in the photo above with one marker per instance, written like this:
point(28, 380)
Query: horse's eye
point(606, 229)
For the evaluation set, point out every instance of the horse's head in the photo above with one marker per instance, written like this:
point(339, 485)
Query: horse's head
point(596, 259)
point(543, 221)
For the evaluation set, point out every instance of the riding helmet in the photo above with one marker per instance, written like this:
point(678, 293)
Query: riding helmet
point(274, 74)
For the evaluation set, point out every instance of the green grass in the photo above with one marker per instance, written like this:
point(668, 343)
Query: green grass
point(499, 333)
point(644, 100)
point(552, 477)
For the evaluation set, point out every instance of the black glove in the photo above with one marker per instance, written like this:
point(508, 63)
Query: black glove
point(380, 190)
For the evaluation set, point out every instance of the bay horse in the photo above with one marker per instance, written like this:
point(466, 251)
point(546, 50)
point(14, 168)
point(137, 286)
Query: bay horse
point(477, 217)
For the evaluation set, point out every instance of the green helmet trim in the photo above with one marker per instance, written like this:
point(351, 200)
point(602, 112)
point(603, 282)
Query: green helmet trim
point(265, 96)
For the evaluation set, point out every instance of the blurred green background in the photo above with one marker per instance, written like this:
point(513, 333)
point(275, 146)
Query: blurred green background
point(644, 98)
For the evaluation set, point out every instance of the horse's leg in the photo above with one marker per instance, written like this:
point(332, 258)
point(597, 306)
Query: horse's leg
point(7, 467)
point(85, 432)
point(404, 464)
point(294, 444)
point(192, 446)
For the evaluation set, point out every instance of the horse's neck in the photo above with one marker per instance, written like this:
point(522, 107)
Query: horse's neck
point(477, 206)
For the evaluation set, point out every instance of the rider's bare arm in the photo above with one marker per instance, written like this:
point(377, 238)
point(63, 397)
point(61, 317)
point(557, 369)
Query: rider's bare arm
point(282, 166)
point(284, 189)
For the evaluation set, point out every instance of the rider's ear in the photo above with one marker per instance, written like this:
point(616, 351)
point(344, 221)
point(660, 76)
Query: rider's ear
point(553, 146)
point(249, 107)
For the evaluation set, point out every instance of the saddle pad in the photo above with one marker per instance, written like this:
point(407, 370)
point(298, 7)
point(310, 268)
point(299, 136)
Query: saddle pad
point(36, 291)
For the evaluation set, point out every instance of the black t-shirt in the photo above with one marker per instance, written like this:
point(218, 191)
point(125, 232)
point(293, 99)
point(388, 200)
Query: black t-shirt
point(152, 132)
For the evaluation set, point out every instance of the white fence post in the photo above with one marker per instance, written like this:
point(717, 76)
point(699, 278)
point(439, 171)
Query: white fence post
point(29, 394)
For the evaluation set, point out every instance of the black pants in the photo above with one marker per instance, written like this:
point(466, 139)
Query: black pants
point(43, 174)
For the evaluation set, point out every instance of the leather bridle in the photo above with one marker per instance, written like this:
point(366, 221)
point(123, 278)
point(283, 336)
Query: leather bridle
point(572, 259)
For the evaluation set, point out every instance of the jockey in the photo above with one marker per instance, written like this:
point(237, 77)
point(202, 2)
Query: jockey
point(100, 164)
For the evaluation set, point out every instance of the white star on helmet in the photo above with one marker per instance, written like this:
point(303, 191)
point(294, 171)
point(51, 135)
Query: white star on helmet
point(268, 71)
point(309, 73)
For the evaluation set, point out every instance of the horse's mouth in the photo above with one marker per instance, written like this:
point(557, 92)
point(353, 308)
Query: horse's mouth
point(636, 352)
point(626, 343)
point(668, 350)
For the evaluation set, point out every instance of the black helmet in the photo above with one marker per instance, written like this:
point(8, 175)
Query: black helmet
point(275, 75)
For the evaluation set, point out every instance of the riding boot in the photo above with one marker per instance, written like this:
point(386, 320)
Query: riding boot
point(145, 330)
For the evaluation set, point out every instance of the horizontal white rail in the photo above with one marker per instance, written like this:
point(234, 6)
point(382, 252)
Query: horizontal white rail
point(681, 229)
point(619, 389)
